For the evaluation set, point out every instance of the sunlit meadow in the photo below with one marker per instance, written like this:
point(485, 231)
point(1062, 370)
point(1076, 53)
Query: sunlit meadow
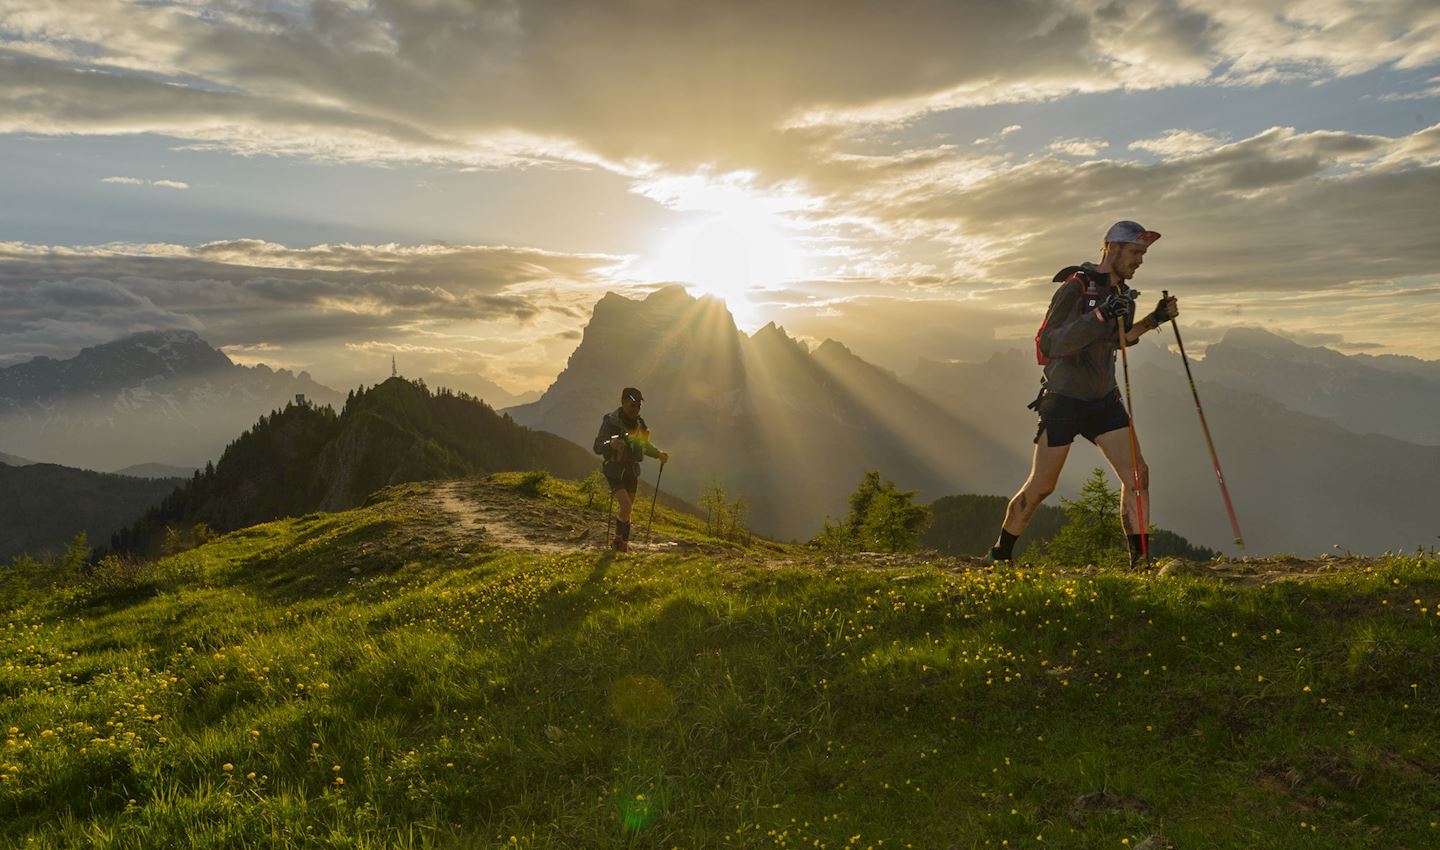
point(359, 680)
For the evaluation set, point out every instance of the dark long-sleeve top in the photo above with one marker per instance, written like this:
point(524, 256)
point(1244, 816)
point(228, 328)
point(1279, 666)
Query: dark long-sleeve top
point(635, 432)
point(1080, 343)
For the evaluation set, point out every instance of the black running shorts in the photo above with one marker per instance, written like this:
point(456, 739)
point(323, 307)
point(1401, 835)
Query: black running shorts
point(622, 476)
point(1063, 417)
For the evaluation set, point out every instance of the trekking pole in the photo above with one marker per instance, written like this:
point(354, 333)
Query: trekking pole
point(653, 497)
point(1204, 426)
point(1134, 446)
point(609, 511)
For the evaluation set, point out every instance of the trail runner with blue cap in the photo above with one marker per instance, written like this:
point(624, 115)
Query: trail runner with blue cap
point(1079, 395)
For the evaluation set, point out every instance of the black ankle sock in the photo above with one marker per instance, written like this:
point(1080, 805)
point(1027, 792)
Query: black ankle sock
point(1134, 546)
point(622, 528)
point(1004, 545)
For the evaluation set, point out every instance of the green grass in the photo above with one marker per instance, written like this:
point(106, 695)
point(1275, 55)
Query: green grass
point(355, 680)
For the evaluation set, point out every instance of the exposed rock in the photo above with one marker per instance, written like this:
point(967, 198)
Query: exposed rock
point(1177, 567)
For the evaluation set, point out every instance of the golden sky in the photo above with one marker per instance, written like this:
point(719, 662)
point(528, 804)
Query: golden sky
point(324, 185)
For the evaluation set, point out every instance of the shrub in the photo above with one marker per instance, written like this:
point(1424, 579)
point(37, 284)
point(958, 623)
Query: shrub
point(592, 488)
point(533, 481)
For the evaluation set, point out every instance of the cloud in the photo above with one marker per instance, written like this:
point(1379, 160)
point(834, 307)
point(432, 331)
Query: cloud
point(1433, 91)
point(770, 96)
point(1078, 147)
point(259, 298)
point(1174, 142)
point(999, 135)
point(1281, 209)
point(1341, 218)
point(633, 86)
point(135, 181)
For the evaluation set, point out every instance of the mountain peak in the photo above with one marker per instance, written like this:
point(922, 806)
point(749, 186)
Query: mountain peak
point(1259, 338)
point(773, 337)
point(772, 329)
point(151, 354)
point(672, 292)
point(158, 395)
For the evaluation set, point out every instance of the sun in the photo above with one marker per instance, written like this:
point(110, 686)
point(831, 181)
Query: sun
point(734, 245)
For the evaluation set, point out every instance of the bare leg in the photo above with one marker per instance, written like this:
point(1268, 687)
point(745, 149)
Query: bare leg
point(1115, 445)
point(622, 496)
point(1044, 473)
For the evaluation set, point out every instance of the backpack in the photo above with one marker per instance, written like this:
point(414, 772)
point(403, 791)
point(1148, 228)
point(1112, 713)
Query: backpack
point(1087, 302)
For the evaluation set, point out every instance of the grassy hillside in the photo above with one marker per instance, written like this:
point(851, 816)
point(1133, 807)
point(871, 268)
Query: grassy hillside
point(386, 677)
point(305, 458)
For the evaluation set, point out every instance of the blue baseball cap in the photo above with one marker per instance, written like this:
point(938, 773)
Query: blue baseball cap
point(1130, 231)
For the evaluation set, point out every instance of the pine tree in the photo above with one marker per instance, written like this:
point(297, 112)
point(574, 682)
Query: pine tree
point(1092, 532)
point(882, 519)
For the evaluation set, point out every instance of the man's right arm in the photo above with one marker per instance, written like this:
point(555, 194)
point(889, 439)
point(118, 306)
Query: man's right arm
point(1067, 330)
point(602, 439)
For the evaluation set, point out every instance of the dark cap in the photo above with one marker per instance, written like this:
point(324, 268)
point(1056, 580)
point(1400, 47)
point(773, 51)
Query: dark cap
point(1130, 231)
point(631, 394)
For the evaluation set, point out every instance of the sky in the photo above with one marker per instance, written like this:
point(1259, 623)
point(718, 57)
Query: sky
point(454, 183)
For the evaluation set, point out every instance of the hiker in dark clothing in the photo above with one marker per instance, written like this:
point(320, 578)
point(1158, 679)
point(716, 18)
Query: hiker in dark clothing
point(1077, 345)
point(624, 440)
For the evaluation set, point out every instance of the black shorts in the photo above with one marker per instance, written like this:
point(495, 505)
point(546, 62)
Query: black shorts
point(622, 476)
point(1062, 417)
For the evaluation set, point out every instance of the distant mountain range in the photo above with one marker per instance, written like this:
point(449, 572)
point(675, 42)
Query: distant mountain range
point(305, 458)
point(480, 387)
point(1320, 449)
point(156, 397)
point(156, 470)
point(790, 429)
point(43, 506)
point(1397, 397)
point(1300, 482)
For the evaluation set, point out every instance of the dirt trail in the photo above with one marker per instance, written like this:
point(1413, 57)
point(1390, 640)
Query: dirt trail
point(496, 515)
point(490, 514)
point(481, 512)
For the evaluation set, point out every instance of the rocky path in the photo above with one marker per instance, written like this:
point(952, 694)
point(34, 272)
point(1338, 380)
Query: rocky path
point(494, 515)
